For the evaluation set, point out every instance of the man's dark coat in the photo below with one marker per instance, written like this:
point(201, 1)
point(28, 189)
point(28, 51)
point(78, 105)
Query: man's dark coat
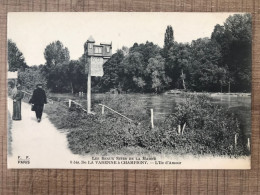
point(38, 97)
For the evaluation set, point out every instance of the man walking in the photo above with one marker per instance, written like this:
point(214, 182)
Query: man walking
point(38, 99)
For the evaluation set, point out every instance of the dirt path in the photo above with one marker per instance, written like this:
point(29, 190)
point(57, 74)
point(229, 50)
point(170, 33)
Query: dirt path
point(41, 142)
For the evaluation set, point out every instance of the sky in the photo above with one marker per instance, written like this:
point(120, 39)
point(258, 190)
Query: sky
point(33, 31)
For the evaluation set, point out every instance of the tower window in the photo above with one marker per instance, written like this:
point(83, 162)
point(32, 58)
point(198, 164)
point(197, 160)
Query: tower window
point(90, 46)
point(108, 49)
point(98, 50)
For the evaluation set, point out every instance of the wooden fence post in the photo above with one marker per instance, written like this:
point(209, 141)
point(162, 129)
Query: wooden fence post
point(183, 128)
point(152, 118)
point(103, 109)
point(179, 129)
point(248, 143)
point(69, 103)
point(235, 140)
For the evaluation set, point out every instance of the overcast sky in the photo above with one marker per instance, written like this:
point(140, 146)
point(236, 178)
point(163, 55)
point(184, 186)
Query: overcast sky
point(32, 32)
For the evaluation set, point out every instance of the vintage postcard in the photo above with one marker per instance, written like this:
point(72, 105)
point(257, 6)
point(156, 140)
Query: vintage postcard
point(129, 90)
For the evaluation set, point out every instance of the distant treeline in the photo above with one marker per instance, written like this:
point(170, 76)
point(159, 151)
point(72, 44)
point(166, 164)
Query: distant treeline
point(216, 64)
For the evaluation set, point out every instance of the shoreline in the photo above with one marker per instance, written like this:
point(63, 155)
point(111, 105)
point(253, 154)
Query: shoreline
point(163, 93)
point(177, 92)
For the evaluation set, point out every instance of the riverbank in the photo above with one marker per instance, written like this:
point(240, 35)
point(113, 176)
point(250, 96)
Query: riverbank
point(177, 92)
point(209, 128)
point(165, 104)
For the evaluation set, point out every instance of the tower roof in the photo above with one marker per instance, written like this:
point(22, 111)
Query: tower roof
point(103, 43)
point(91, 39)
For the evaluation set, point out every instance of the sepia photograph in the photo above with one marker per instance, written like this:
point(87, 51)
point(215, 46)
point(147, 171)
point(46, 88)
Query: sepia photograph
point(129, 90)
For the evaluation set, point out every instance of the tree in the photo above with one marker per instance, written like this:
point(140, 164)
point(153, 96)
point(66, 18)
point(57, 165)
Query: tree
point(139, 82)
point(112, 72)
point(234, 39)
point(132, 66)
point(147, 50)
point(168, 40)
point(16, 59)
point(76, 75)
point(55, 53)
point(30, 77)
point(57, 60)
point(155, 71)
point(139, 69)
point(177, 63)
point(138, 58)
point(125, 50)
point(205, 72)
point(58, 78)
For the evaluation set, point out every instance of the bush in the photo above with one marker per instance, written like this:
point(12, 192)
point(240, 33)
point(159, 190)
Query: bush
point(99, 134)
point(30, 77)
point(210, 129)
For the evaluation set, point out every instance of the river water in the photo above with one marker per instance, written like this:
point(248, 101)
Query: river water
point(164, 104)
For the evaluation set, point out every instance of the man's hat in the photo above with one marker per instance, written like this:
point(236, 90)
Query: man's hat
point(38, 84)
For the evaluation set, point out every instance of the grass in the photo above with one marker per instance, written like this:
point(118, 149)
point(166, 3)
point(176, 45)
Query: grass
point(210, 129)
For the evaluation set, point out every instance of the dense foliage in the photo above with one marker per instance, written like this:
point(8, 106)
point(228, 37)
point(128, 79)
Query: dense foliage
point(220, 63)
point(16, 59)
point(30, 77)
point(209, 128)
point(235, 41)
